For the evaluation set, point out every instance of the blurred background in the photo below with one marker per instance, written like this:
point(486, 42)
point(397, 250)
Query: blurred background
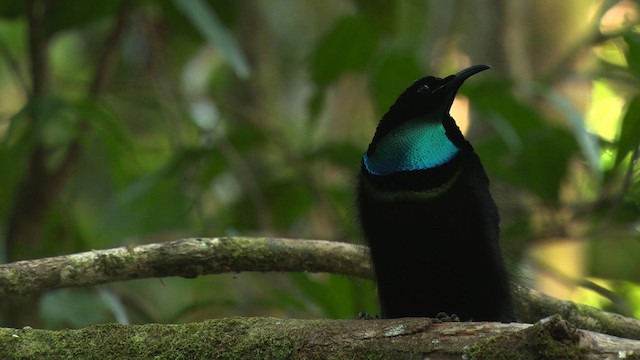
point(130, 122)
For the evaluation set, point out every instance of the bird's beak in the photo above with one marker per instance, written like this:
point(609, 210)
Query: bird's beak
point(463, 75)
point(452, 86)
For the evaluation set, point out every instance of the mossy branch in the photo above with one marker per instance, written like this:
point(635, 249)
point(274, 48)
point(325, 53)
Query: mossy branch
point(201, 256)
point(187, 258)
point(271, 338)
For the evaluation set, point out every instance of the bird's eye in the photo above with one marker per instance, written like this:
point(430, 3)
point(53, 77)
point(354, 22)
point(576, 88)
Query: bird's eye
point(424, 89)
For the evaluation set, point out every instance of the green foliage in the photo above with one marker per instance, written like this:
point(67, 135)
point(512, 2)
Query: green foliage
point(396, 70)
point(208, 24)
point(527, 142)
point(347, 47)
point(629, 139)
point(632, 40)
point(332, 296)
point(266, 137)
point(89, 307)
point(59, 18)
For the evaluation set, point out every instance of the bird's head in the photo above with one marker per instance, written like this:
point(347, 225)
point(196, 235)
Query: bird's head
point(411, 135)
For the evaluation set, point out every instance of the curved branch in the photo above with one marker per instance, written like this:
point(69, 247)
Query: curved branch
point(532, 305)
point(186, 258)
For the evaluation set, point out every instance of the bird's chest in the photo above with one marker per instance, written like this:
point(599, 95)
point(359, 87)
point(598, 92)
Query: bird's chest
point(437, 220)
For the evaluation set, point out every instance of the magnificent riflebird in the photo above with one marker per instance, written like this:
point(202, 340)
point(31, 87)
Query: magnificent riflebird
point(427, 214)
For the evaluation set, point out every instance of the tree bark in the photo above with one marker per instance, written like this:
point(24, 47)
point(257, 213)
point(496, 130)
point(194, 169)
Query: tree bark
point(187, 258)
point(202, 256)
point(273, 338)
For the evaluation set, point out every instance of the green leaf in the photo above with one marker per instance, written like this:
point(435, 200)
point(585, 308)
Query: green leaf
point(396, 72)
point(544, 161)
point(289, 201)
point(11, 9)
point(103, 121)
point(613, 256)
point(629, 137)
point(383, 13)
point(15, 147)
point(66, 14)
point(530, 153)
point(114, 304)
point(87, 308)
point(630, 292)
point(588, 142)
point(348, 46)
point(633, 52)
point(337, 296)
point(539, 166)
point(150, 205)
point(212, 29)
point(343, 154)
point(48, 121)
point(633, 195)
point(521, 117)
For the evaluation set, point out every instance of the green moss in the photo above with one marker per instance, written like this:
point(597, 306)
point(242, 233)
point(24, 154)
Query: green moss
point(540, 341)
point(498, 347)
point(535, 342)
point(234, 338)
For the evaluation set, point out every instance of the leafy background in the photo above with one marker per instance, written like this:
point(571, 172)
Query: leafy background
point(129, 122)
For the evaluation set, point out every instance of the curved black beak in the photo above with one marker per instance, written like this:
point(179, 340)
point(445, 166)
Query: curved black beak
point(454, 84)
point(451, 87)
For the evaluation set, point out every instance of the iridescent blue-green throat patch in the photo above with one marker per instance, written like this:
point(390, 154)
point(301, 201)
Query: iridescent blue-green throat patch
point(414, 145)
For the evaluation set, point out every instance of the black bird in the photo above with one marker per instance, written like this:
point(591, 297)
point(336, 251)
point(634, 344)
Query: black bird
point(427, 214)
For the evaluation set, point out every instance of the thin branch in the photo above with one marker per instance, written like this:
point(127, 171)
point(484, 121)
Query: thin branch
point(186, 258)
point(105, 62)
point(37, 47)
point(38, 187)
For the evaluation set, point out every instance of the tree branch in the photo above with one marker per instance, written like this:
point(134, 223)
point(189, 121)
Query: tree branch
point(37, 47)
point(186, 258)
point(272, 338)
point(532, 305)
point(202, 256)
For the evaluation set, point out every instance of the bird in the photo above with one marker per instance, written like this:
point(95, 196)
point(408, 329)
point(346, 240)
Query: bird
point(426, 212)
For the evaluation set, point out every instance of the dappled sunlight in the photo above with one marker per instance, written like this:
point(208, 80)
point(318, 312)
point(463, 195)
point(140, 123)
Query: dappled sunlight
point(123, 125)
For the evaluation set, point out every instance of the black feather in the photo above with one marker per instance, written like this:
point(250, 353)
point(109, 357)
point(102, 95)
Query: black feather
point(433, 233)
